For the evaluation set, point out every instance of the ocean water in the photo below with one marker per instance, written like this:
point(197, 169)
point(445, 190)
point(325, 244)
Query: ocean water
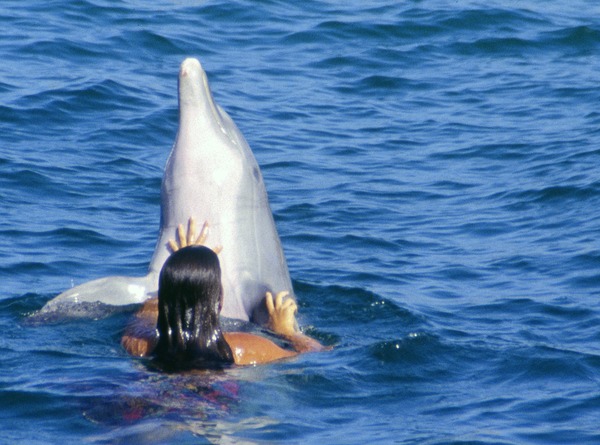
point(433, 170)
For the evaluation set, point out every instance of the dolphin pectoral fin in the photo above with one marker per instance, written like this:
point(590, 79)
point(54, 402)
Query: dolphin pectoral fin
point(115, 291)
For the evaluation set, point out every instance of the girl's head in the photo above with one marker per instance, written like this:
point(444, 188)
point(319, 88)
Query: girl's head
point(189, 301)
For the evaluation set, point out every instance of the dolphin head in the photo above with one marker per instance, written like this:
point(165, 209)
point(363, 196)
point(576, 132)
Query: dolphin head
point(194, 90)
point(198, 111)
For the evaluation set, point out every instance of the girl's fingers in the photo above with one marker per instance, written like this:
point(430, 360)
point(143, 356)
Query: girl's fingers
point(279, 298)
point(283, 293)
point(289, 304)
point(190, 238)
point(191, 234)
point(181, 236)
point(269, 302)
point(173, 247)
point(203, 234)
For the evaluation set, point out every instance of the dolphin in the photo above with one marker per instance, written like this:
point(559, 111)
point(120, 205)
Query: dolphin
point(210, 175)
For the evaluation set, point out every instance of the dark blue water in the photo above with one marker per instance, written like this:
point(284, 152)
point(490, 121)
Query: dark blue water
point(433, 168)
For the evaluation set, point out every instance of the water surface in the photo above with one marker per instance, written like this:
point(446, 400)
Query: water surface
point(433, 172)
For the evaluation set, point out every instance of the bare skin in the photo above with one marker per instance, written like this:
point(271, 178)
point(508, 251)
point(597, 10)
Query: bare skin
point(141, 336)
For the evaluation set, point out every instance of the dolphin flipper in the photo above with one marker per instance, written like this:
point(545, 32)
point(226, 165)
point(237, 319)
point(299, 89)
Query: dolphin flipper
point(114, 290)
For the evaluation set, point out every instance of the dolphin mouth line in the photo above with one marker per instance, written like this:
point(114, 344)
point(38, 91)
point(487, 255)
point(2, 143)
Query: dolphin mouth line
point(214, 109)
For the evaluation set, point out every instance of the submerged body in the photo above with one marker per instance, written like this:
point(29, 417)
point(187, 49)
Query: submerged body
point(211, 175)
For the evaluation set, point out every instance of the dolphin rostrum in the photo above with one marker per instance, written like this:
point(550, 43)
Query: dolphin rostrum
point(211, 175)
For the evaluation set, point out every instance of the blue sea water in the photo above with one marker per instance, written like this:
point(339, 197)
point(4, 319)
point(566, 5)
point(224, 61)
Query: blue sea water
point(433, 169)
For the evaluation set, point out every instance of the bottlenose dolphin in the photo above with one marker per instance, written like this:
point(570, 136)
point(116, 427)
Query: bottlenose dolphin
point(211, 175)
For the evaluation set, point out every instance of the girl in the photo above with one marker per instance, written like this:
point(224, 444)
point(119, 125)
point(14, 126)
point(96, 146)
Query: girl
point(182, 329)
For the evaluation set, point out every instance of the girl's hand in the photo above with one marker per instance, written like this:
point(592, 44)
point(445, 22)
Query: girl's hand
point(282, 314)
point(190, 239)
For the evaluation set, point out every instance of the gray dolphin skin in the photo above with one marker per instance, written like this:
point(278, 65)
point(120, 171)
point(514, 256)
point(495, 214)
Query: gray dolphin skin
point(211, 175)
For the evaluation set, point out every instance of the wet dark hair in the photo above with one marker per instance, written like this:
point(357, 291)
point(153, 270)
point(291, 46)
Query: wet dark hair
point(189, 301)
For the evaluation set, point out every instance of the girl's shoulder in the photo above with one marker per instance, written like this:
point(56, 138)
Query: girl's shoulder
point(251, 349)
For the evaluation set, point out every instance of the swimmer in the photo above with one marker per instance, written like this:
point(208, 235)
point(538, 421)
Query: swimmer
point(181, 328)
